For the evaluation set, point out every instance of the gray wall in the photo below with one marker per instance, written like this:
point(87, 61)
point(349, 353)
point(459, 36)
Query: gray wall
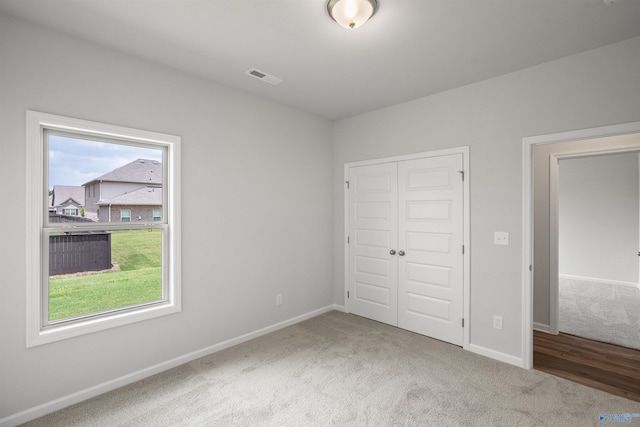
point(257, 192)
point(541, 153)
point(492, 117)
point(598, 216)
point(257, 208)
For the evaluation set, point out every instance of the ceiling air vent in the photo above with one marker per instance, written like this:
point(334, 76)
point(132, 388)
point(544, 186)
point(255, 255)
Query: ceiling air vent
point(267, 78)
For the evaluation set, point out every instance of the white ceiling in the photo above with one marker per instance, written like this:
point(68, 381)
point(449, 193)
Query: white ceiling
point(409, 49)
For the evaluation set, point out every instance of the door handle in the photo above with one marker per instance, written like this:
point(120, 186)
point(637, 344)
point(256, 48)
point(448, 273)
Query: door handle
point(401, 253)
point(392, 251)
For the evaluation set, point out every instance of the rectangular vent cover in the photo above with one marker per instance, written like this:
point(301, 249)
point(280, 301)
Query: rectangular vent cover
point(260, 75)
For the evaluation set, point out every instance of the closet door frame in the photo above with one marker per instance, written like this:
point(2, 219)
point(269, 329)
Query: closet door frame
point(464, 150)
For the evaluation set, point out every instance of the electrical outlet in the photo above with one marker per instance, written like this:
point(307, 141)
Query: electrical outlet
point(500, 238)
point(497, 322)
point(279, 299)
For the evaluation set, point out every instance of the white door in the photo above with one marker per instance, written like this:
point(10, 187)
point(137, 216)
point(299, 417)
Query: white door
point(430, 239)
point(373, 265)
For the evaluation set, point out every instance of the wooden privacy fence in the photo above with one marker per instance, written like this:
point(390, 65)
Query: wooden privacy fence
point(74, 253)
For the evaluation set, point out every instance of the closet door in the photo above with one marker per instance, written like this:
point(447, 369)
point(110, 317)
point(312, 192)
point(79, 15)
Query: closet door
point(430, 238)
point(373, 263)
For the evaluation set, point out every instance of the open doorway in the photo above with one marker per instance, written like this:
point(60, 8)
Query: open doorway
point(547, 155)
point(545, 234)
point(598, 214)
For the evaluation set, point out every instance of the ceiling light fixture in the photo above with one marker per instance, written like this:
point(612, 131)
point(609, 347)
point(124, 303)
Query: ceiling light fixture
point(351, 13)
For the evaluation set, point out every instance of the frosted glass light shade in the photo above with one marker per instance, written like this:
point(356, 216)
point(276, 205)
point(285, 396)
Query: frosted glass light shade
point(351, 13)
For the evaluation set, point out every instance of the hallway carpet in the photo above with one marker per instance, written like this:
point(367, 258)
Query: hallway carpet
point(600, 311)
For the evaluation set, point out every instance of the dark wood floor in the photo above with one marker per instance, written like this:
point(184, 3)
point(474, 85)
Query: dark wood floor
point(602, 366)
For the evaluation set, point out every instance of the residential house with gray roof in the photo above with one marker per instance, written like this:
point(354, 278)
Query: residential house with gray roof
point(132, 192)
point(67, 200)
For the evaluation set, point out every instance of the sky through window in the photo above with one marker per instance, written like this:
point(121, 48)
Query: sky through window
point(74, 161)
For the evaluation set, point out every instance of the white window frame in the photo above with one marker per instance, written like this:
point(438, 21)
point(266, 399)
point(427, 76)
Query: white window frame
point(122, 217)
point(38, 331)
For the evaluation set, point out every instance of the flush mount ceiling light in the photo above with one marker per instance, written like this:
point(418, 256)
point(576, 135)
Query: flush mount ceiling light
point(351, 13)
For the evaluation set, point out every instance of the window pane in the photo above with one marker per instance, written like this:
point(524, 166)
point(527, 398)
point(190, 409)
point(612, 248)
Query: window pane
point(101, 271)
point(103, 179)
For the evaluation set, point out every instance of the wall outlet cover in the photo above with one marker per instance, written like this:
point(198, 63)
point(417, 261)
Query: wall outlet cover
point(497, 322)
point(501, 238)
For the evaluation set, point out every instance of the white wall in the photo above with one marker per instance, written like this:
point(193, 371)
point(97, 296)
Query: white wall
point(492, 117)
point(257, 208)
point(598, 217)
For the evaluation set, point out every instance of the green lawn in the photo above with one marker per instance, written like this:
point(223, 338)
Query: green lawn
point(139, 255)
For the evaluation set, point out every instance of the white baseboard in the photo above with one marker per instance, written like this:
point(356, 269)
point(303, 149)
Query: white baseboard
point(341, 308)
point(71, 399)
point(542, 327)
point(502, 357)
point(598, 280)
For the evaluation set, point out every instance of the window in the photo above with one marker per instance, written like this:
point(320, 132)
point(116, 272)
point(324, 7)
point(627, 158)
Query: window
point(100, 271)
point(125, 215)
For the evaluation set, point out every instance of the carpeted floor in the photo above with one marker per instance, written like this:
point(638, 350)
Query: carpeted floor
point(601, 312)
point(342, 370)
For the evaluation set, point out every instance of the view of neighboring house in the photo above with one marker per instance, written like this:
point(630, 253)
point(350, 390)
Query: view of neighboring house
point(67, 200)
point(132, 192)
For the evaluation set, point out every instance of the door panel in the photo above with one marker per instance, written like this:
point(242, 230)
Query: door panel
point(430, 232)
point(423, 210)
point(373, 217)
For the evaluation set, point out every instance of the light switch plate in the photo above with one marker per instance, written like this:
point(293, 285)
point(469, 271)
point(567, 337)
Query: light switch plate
point(500, 238)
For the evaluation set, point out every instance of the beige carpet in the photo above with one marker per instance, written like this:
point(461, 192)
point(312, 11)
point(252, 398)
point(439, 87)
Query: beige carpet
point(600, 311)
point(342, 370)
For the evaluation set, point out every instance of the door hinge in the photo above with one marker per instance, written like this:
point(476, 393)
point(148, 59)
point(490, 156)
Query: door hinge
point(347, 294)
point(530, 267)
point(463, 323)
point(461, 173)
point(348, 240)
point(347, 182)
point(462, 249)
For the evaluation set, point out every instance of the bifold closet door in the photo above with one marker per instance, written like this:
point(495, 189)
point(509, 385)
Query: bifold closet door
point(373, 225)
point(430, 236)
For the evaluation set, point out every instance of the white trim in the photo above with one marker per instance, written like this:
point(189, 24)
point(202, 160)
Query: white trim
point(598, 280)
point(554, 244)
point(541, 327)
point(466, 231)
point(346, 238)
point(36, 208)
point(527, 217)
point(581, 134)
point(340, 308)
point(502, 357)
point(464, 150)
point(73, 398)
point(527, 257)
point(435, 153)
